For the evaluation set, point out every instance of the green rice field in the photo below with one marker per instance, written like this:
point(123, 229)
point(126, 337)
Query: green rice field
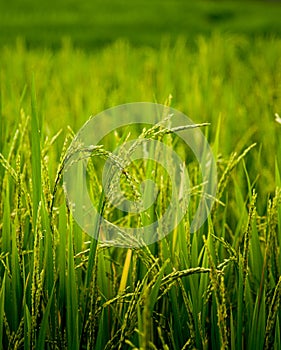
point(216, 288)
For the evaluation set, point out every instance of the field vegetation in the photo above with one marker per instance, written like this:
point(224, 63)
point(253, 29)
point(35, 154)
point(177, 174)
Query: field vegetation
point(217, 288)
point(92, 24)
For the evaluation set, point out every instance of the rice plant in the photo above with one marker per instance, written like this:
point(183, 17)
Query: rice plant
point(217, 288)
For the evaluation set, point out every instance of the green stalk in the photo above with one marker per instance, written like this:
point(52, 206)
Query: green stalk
point(72, 312)
point(2, 305)
point(35, 154)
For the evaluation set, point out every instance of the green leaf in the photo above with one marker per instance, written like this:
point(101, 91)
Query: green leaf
point(2, 304)
point(36, 154)
point(44, 324)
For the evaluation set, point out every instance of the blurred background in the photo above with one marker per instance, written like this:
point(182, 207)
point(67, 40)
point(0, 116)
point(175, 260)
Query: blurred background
point(91, 24)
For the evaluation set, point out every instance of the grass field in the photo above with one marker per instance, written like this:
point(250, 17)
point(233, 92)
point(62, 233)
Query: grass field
point(91, 24)
point(217, 288)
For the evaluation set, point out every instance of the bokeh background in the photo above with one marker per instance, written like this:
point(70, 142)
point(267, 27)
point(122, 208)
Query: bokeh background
point(91, 24)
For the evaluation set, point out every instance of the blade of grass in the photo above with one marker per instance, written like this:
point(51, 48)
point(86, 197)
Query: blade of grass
point(71, 296)
point(256, 334)
point(277, 341)
point(27, 328)
point(61, 254)
point(44, 324)
point(36, 154)
point(125, 271)
point(16, 283)
point(240, 306)
point(1, 122)
point(2, 304)
point(215, 147)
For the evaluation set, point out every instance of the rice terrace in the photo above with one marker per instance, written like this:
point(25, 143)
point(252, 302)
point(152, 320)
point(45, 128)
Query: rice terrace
point(140, 174)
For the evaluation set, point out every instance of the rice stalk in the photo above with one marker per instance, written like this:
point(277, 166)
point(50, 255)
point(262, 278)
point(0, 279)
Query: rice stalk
point(271, 318)
point(232, 163)
point(218, 287)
